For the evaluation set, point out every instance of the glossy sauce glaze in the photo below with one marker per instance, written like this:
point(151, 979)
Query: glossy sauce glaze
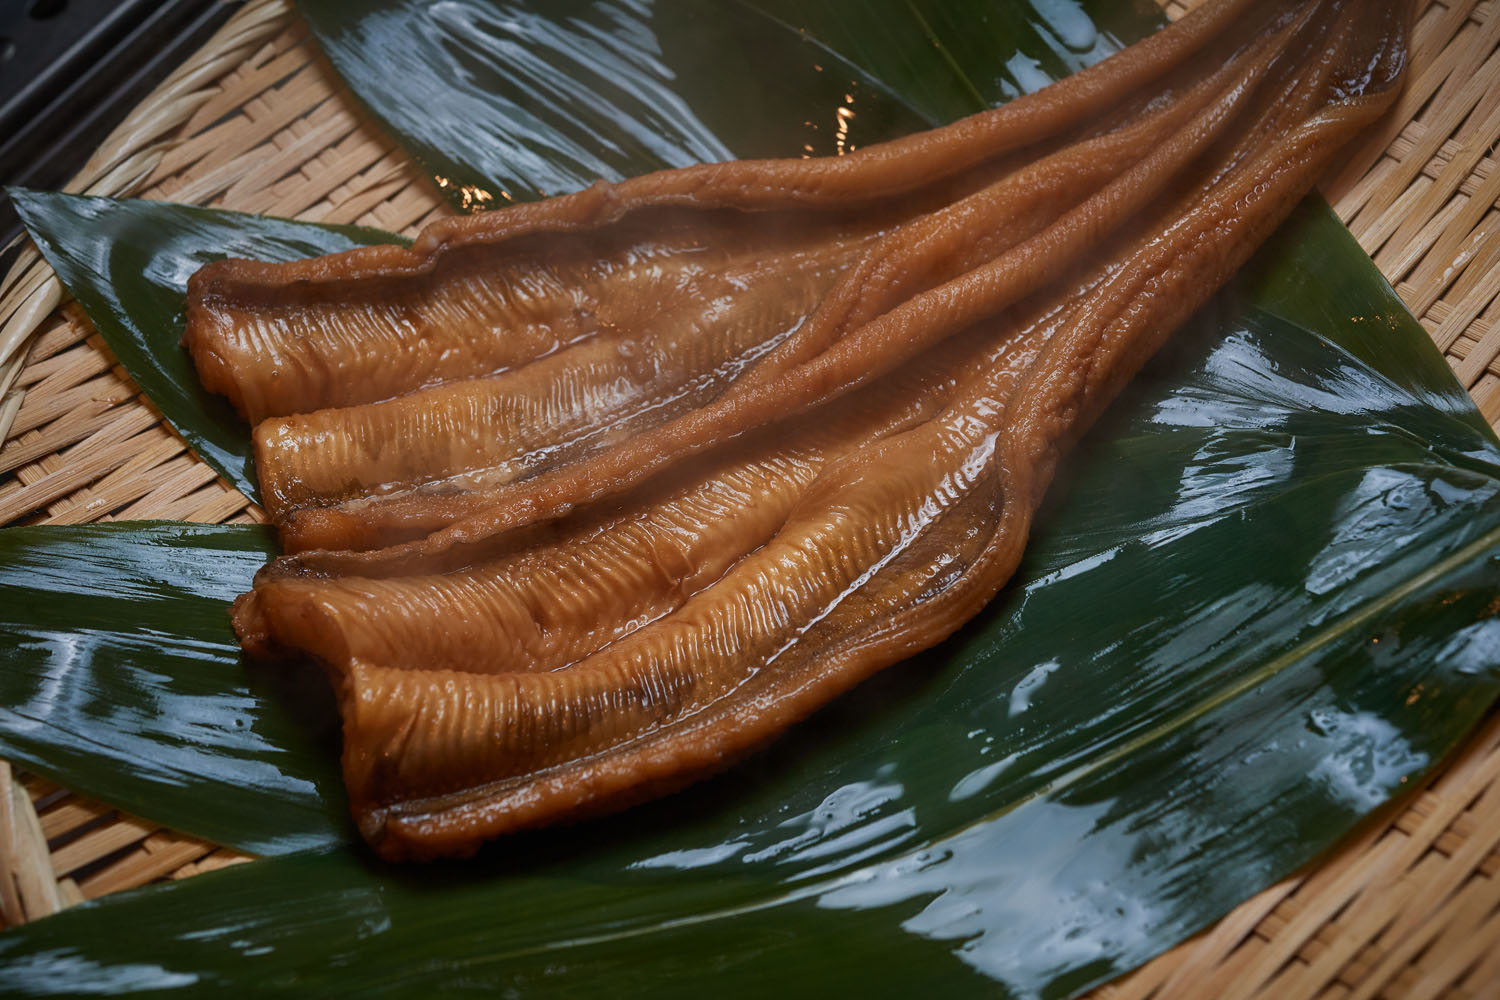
point(652, 596)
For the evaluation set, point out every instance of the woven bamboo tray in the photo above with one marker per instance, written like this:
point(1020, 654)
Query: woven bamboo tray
point(257, 121)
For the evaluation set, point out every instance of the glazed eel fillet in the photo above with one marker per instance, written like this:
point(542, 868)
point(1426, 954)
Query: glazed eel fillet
point(586, 499)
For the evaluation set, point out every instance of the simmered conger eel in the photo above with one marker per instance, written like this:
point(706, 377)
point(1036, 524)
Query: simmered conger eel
point(671, 640)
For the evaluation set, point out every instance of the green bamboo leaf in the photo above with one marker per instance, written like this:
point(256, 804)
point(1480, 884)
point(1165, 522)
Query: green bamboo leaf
point(127, 263)
point(950, 58)
point(123, 680)
point(541, 98)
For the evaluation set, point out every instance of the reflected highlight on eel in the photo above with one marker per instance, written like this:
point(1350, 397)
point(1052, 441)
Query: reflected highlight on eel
point(584, 500)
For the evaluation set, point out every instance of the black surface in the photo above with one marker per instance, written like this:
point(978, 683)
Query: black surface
point(71, 70)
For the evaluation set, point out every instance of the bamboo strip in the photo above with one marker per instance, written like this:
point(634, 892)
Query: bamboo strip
point(43, 409)
point(147, 451)
point(213, 862)
point(10, 895)
point(82, 421)
point(29, 887)
point(100, 843)
point(69, 815)
point(158, 856)
point(1486, 973)
point(104, 451)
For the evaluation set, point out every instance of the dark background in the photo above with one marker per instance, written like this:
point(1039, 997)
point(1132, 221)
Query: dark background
point(70, 70)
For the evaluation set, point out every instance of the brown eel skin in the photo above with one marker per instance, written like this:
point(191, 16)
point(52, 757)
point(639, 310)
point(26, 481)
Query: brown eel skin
point(586, 499)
